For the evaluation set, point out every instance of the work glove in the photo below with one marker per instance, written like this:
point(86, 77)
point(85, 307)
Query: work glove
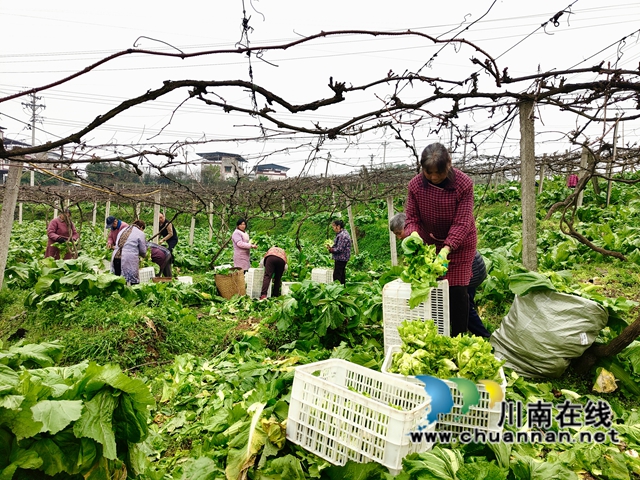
point(442, 257)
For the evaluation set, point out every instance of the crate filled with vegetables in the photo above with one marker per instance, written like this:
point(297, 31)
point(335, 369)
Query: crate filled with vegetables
point(342, 411)
point(417, 294)
point(425, 352)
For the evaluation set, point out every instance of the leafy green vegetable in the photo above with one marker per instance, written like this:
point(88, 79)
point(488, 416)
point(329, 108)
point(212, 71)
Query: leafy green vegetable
point(422, 268)
point(80, 419)
point(425, 352)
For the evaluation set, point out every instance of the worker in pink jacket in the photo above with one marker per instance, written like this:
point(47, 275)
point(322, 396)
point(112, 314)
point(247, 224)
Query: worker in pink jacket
point(242, 246)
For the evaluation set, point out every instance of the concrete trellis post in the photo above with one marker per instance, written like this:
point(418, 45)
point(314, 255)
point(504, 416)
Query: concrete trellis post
point(528, 186)
point(210, 220)
point(94, 214)
point(107, 211)
point(541, 175)
point(584, 157)
point(192, 229)
point(11, 188)
point(392, 237)
point(156, 212)
point(352, 226)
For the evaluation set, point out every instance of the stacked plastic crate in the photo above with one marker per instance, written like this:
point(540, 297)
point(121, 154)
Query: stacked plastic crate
point(482, 417)
point(322, 275)
point(342, 411)
point(395, 309)
point(253, 278)
point(286, 287)
point(146, 274)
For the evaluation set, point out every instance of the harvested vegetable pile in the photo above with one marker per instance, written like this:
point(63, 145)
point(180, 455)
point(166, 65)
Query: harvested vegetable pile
point(422, 268)
point(424, 352)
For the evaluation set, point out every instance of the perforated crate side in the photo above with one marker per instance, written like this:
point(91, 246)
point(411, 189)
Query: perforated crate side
point(480, 417)
point(146, 274)
point(395, 309)
point(253, 280)
point(285, 289)
point(322, 275)
point(341, 411)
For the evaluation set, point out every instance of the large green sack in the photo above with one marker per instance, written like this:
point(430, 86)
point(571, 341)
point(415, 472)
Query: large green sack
point(544, 330)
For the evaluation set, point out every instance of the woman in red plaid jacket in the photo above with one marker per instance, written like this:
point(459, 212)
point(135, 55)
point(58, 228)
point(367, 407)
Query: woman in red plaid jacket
point(440, 208)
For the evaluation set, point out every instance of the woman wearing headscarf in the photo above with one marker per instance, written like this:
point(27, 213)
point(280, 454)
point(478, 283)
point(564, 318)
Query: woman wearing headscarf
point(60, 230)
point(131, 244)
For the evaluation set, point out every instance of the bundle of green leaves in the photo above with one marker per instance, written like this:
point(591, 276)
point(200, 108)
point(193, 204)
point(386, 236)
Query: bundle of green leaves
point(422, 268)
point(80, 420)
point(425, 352)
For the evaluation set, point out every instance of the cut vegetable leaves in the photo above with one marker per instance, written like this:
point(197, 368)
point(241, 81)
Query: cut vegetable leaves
point(422, 268)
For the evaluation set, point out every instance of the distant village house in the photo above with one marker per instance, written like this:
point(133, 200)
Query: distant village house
point(271, 171)
point(230, 165)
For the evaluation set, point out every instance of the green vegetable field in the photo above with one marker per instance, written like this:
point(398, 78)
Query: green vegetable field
point(100, 380)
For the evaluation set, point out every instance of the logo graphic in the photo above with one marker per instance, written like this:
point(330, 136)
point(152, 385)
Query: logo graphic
point(442, 400)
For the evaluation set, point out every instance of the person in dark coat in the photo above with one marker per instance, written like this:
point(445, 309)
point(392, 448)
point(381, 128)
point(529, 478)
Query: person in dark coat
point(440, 208)
point(340, 251)
point(167, 233)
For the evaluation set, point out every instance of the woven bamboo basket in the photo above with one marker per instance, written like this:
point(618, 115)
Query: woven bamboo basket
point(231, 284)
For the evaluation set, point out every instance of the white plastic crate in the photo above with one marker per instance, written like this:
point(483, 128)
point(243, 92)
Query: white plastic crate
point(285, 289)
point(322, 275)
point(185, 279)
point(395, 309)
point(342, 411)
point(146, 274)
point(253, 278)
point(480, 417)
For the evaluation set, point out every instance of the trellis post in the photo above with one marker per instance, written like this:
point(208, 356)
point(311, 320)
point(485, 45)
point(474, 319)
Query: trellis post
point(584, 157)
point(528, 185)
point(156, 212)
point(11, 187)
point(94, 214)
point(210, 220)
point(107, 210)
point(541, 176)
point(613, 159)
point(193, 227)
point(392, 237)
point(352, 225)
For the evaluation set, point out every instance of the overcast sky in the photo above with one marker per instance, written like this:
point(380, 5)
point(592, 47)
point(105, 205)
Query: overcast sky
point(44, 41)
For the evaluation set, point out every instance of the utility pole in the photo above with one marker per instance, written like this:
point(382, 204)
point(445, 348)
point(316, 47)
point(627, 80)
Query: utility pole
point(384, 155)
point(326, 170)
point(34, 109)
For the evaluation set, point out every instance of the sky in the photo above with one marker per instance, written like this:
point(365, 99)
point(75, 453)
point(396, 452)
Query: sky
point(42, 42)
